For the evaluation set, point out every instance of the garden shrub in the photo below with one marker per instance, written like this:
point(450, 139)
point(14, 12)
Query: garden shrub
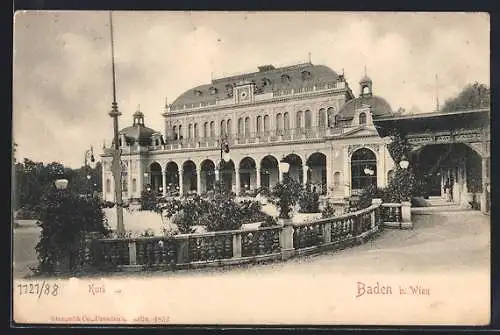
point(309, 201)
point(63, 219)
point(285, 195)
point(149, 200)
point(328, 211)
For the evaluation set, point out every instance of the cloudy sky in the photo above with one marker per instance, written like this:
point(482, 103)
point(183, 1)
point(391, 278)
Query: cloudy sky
point(62, 72)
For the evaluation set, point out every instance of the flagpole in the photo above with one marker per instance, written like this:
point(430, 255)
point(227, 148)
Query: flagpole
point(116, 163)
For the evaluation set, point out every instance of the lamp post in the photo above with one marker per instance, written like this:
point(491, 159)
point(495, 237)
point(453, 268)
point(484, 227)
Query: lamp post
point(225, 156)
point(116, 165)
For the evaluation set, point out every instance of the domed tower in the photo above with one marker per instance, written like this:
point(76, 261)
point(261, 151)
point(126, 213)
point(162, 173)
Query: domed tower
point(365, 86)
point(138, 118)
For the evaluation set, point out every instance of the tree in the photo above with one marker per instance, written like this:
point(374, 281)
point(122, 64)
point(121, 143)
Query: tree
point(473, 96)
point(63, 218)
point(285, 195)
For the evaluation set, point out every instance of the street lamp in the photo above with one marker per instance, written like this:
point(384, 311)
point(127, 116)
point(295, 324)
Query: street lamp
point(225, 156)
point(403, 163)
point(61, 184)
point(284, 166)
point(368, 171)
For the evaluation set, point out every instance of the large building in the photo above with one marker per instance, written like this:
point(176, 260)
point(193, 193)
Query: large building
point(304, 114)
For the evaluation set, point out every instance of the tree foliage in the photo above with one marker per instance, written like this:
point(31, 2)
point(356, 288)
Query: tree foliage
point(473, 96)
point(399, 146)
point(63, 218)
point(308, 201)
point(285, 195)
point(32, 179)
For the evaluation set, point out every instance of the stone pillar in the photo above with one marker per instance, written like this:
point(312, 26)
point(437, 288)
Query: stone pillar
point(304, 173)
point(181, 182)
point(182, 251)
point(329, 171)
point(280, 176)
point(164, 183)
point(237, 175)
point(257, 176)
point(132, 253)
point(198, 180)
point(237, 246)
point(375, 202)
point(286, 240)
point(406, 215)
point(347, 173)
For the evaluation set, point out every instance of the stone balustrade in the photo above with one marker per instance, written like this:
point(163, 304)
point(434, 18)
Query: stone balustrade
point(220, 248)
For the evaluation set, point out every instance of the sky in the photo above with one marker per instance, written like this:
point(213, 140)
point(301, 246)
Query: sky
point(62, 83)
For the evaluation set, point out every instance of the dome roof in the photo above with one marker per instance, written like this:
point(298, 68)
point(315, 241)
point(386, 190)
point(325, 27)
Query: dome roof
point(266, 80)
point(138, 132)
point(379, 107)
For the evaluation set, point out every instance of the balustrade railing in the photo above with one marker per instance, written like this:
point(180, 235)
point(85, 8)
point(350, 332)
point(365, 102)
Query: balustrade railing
point(210, 247)
point(275, 135)
point(237, 246)
point(392, 213)
point(260, 242)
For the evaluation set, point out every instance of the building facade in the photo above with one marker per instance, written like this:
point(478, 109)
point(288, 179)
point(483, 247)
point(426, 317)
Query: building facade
point(305, 115)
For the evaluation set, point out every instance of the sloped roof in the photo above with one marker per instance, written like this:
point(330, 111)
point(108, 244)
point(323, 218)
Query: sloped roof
point(267, 79)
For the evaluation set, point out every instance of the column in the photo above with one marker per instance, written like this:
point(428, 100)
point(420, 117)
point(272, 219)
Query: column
point(237, 174)
point(257, 176)
point(347, 173)
point(198, 180)
point(181, 182)
point(304, 172)
point(164, 182)
point(329, 171)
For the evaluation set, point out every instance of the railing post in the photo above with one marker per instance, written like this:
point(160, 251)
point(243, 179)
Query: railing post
point(375, 202)
point(237, 245)
point(132, 253)
point(406, 215)
point(327, 232)
point(286, 240)
point(182, 250)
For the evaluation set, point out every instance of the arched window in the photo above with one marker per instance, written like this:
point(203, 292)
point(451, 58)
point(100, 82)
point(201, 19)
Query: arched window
point(212, 129)
point(196, 135)
point(298, 120)
point(247, 126)
point(134, 185)
point(181, 135)
point(336, 179)
point(205, 130)
point(279, 123)
point(222, 128)
point(308, 119)
point(240, 127)
point(174, 132)
point(286, 121)
point(330, 117)
point(362, 118)
point(124, 182)
point(363, 170)
point(259, 124)
point(266, 123)
point(190, 131)
point(322, 118)
point(229, 127)
point(108, 186)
